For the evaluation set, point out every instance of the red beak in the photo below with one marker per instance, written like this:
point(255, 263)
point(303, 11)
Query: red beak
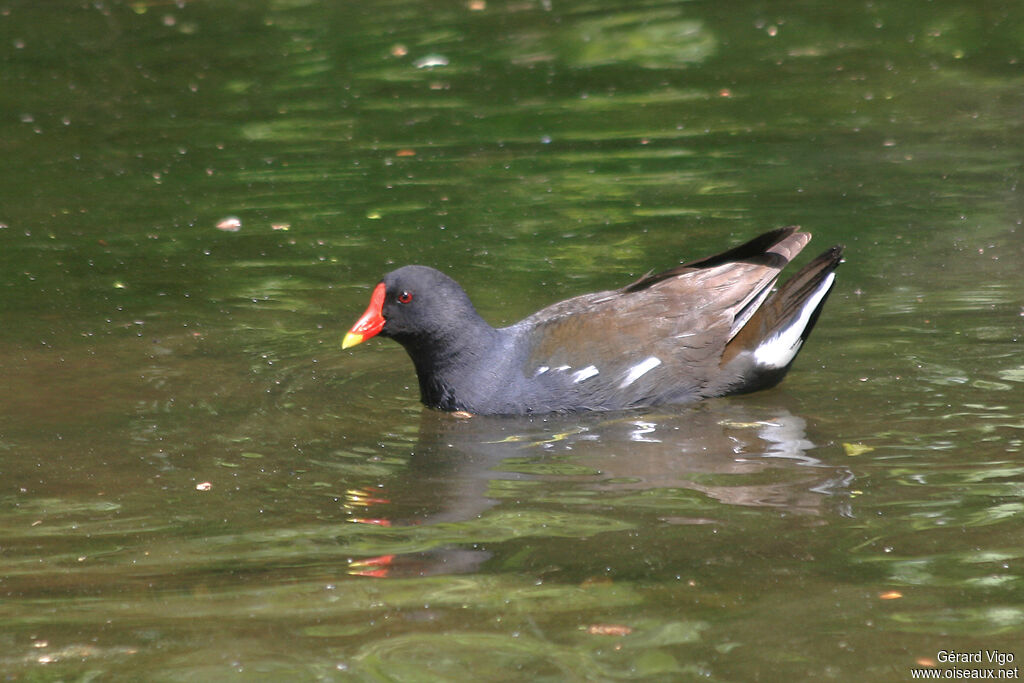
point(371, 321)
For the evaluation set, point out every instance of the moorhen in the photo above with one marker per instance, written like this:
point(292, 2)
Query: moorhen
point(706, 328)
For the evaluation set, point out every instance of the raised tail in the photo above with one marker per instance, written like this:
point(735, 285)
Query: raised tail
point(761, 352)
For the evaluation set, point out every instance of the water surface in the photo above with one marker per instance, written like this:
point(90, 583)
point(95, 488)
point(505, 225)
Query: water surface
point(199, 483)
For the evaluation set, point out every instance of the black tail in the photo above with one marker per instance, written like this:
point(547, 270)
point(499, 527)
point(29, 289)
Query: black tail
point(765, 347)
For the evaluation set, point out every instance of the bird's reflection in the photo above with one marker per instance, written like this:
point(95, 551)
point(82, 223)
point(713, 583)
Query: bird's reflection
point(727, 451)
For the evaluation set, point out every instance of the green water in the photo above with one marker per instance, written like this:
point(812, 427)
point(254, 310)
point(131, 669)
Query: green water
point(197, 483)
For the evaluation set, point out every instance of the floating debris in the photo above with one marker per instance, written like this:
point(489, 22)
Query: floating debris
point(230, 224)
point(204, 486)
point(609, 630)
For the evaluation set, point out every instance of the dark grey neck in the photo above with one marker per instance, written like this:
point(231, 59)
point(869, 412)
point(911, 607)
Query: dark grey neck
point(454, 367)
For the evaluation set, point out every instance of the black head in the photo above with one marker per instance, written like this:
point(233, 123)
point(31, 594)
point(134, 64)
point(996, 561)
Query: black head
point(419, 307)
point(423, 305)
point(429, 314)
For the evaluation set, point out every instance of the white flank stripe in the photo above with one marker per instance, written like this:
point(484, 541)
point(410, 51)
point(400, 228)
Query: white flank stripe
point(585, 373)
point(778, 350)
point(639, 370)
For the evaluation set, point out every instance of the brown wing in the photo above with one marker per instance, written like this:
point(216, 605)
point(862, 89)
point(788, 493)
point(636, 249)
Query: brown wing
point(660, 338)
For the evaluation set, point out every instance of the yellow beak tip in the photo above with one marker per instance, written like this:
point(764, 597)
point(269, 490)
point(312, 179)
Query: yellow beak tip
point(351, 340)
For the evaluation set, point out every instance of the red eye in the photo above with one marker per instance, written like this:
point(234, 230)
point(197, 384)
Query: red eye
point(405, 297)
